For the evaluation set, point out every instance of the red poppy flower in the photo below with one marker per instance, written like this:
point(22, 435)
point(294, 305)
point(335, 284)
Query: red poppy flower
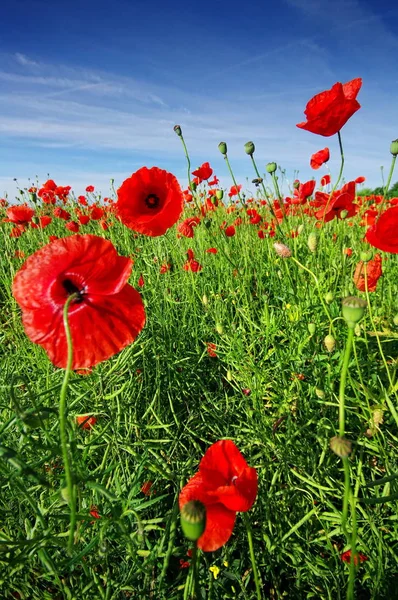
point(150, 201)
point(164, 268)
point(325, 180)
point(107, 313)
point(50, 185)
point(94, 512)
point(348, 251)
point(234, 191)
point(360, 179)
point(60, 213)
point(329, 111)
point(203, 172)
point(384, 233)
point(90, 188)
point(230, 231)
point(72, 226)
point(211, 349)
point(303, 191)
point(186, 227)
point(214, 181)
point(20, 215)
point(319, 158)
point(96, 213)
point(373, 271)
point(45, 220)
point(225, 484)
point(341, 204)
point(146, 488)
point(82, 200)
point(141, 281)
point(212, 250)
point(86, 422)
point(52, 238)
point(83, 219)
point(359, 557)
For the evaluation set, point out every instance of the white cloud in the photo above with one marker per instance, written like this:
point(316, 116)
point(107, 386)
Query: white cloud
point(22, 59)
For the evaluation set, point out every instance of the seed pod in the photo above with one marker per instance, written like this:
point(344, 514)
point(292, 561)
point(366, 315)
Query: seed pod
point(311, 328)
point(312, 241)
point(329, 297)
point(249, 148)
point(271, 167)
point(193, 519)
point(340, 446)
point(282, 250)
point(330, 343)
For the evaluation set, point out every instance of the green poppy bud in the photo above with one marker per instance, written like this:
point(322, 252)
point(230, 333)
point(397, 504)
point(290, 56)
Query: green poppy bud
point(394, 147)
point(320, 393)
point(222, 146)
point(229, 375)
point(219, 328)
point(296, 184)
point(330, 343)
point(249, 148)
point(205, 300)
point(395, 320)
point(214, 200)
point(311, 328)
point(329, 297)
point(343, 214)
point(220, 194)
point(271, 167)
point(340, 446)
point(312, 241)
point(365, 256)
point(353, 309)
point(193, 519)
point(193, 186)
point(177, 129)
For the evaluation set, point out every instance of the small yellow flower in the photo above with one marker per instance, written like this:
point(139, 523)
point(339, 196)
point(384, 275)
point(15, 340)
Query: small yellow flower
point(215, 570)
point(225, 563)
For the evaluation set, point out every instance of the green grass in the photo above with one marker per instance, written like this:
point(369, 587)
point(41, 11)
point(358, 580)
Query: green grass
point(162, 401)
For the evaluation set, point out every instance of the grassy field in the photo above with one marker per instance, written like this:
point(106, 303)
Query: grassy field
point(235, 350)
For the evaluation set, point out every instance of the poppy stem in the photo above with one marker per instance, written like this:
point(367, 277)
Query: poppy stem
point(385, 191)
point(233, 178)
point(266, 195)
point(252, 557)
point(342, 162)
point(191, 584)
point(70, 489)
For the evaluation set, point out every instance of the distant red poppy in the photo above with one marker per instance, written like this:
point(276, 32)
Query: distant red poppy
point(384, 233)
point(150, 201)
point(107, 313)
point(17, 231)
point(303, 191)
point(141, 281)
point(86, 422)
point(359, 557)
point(214, 181)
point(50, 185)
point(319, 158)
point(90, 188)
point(348, 251)
point(373, 271)
point(225, 484)
point(164, 268)
point(94, 512)
point(330, 110)
point(83, 219)
point(96, 213)
point(72, 226)
point(60, 213)
point(211, 349)
point(230, 231)
point(360, 179)
point(192, 264)
point(44, 220)
point(186, 228)
point(20, 215)
point(325, 180)
point(204, 172)
point(146, 488)
point(82, 200)
point(212, 250)
point(234, 191)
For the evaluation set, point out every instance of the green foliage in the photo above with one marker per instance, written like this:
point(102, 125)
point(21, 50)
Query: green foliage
point(162, 401)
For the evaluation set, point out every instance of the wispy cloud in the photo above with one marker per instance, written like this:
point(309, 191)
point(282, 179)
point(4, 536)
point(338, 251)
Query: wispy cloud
point(22, 59)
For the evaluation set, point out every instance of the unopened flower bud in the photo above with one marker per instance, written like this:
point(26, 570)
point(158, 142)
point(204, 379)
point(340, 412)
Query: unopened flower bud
point(193, 519)
point(296, 184)
point(33, 197)
point(320, 393)
point(271, 167)
point(177, 129)
point(205, 300)
point(300, 229)
point(395, 320)
point(353, 309)
point(249, 148)
point(219, 328)
point(282, 250)
point(222, 146)
point(220, 194)
point(311, 328)
point(394, 147)
point(340, 446)
point(329, 297)
point(343, 214)
point(214, 200)
point(365, 256)
point(312, 241)
point(330, 343)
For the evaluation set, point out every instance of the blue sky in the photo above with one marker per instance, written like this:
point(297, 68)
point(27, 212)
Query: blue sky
point(91, 90)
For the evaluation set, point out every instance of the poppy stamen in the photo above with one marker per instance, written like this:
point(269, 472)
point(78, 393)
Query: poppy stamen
point(70, 288)
point(152, 201)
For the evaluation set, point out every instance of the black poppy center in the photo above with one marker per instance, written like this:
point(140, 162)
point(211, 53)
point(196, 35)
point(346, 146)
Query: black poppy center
point(152, 201)
point(71, 288)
